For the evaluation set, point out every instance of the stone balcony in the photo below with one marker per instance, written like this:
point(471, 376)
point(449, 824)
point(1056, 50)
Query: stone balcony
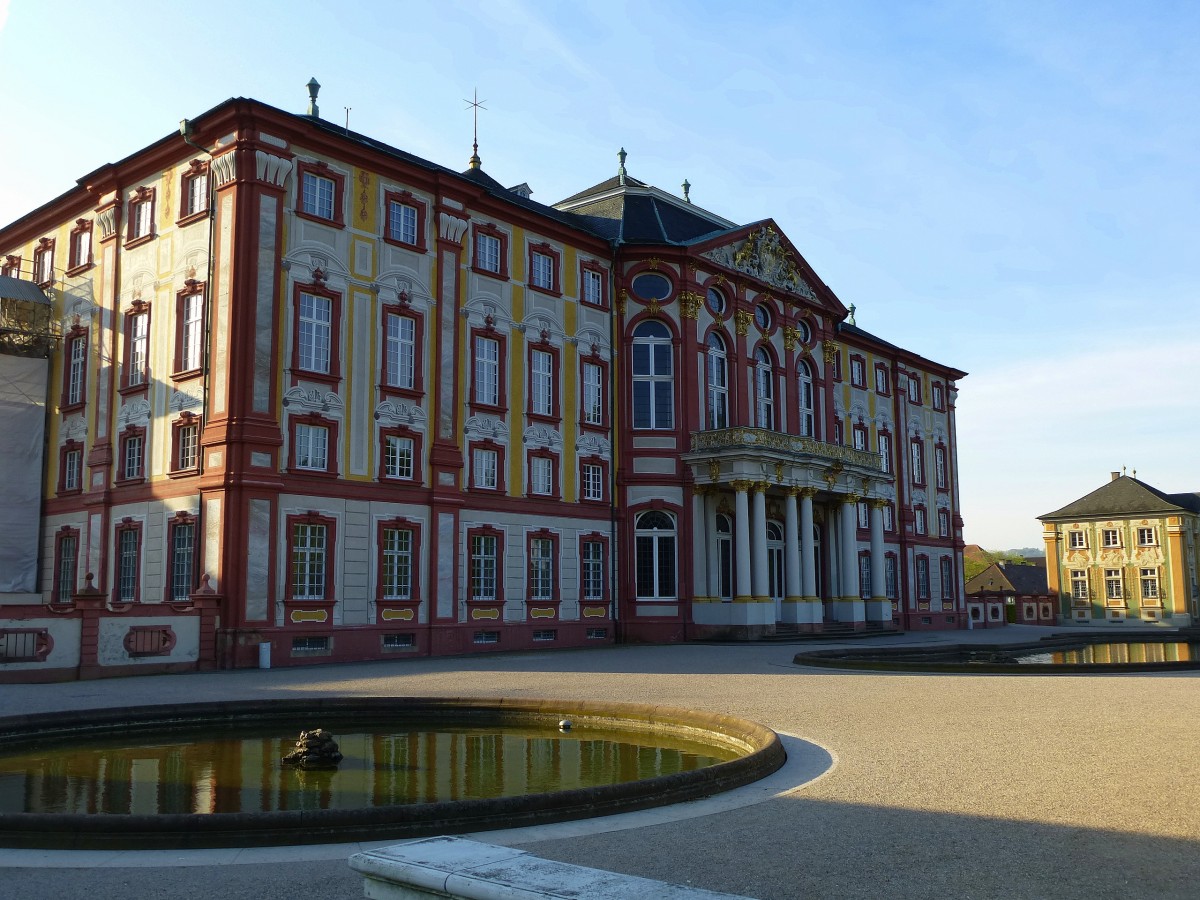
point(779, 447)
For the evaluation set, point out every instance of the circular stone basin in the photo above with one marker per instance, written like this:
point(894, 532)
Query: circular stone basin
point(209, 774)
point(1058, 655)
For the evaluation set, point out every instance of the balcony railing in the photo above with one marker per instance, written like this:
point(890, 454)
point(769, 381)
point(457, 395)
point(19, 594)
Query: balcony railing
point(776, 442)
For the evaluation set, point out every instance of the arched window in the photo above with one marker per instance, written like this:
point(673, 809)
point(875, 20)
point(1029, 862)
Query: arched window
point(654, 542)
point(653, 377)
point(717, 413)
point(807, 410)
point(725, 557)
point(764, 389)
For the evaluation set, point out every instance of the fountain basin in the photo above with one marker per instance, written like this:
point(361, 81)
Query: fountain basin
point(755, 750)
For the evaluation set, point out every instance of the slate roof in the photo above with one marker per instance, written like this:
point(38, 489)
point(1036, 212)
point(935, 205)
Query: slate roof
point(637, 213)
point(1126, 496)
point(1027, 581)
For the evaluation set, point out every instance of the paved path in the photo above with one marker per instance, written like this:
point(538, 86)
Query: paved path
point(942, 786)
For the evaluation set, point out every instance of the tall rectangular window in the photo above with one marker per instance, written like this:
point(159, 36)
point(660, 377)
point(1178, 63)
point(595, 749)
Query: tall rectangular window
point(402, 222)
point(543, 271)
point(653, 377)
point(398, 457)
point(864, 576)
point(131, 457)
point(196, 187)
point(541, 383)
point(1079, 585)
point(76, 369)
point(541, 568)
point(939, 397)
point(1149, 584)
point(317, 195)
point(591, 562)
point(312, 447)
point(487, 371)
point(541, 475)
point(890, 581)
point(864, 514)
point(72, 469)
point(860, 437)
point(593, 394)
point(914, 387)
point(939, 466)
point(188, 437)
point(183, 545)
point(1113, 584)
point(484, 469)
point(858, 372)
point(484, 548)
point(128, 549)
point(81, 246)
point(947, 578)
point(487, 252)
point(315, 329)
point(943, 523)
point(593, 481)
point(593, 287)
point(397, 563)
point(68, 559)
point(308, 561)
point(919, 520)
point(136, 360)
point(884, 443)
point(401, 351)
point(142, 218)
point(191, 340)
point(43, 263)
point(917, 451)
point(923, 578)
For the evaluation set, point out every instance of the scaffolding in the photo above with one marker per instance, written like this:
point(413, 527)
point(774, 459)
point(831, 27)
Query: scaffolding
point(28, 326)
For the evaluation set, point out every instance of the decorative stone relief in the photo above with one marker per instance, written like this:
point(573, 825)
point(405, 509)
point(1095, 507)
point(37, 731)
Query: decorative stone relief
point(271, 168)
point(764, 256)
point(135, 412)
point(313, 400)
point(451, 228)
point(181, 400)
point(593, 445)
point(106, 221)
point(541, 436)
point(483, 427)
point(397, 412)
point(224, 168)
point(75, 428)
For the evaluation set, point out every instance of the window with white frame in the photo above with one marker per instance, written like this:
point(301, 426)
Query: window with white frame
point(183, 549)
point(187, 447)
point(76, 369)
point(1110, 537)
point(653, 378)
point(881, 380)
point(484, 549)
point(1149, 579)
point(308, 560)
point(541, 568)
point(400, 351)
point(128, 551)
point(72, 469)
point(654, 552)
point(919, 520)
point(402, 222)
point(398, 456)
point(923, 577)
point(68, 560)
point(397, 563)
point(43, 263)
point(884, 443)
point(312, 447)
point(805, 393)
point(541, 475)
point(192, 331)
point(1076, 540)
point(593, 394)
point(947, 578)
point(864, 576)
point(889, 517)
point(718, 383)
point(1079, 584)
point(542, 273)
point(317, 195)
point(864, 514)
point(943, 523)
point(890, 580)
point(591, 563)
point(141, 215)
point(483, 468)
point(1113, 585)
point(939, 397)
point(917, 452)
point(1146, 537)
point(541, 383)
point(858, 372)
point(137, 354)
point(860, 437)
point(81, 246)
point(315, 329)
point(487, 371)
point(764, 389)
point(133, 450)
point(593, 287)
point(487, 252)
point(914, 387)
point(196, 198)
point(939, 467)
point(593, 481)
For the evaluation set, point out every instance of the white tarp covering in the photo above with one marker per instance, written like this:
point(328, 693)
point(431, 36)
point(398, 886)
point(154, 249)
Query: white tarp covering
point(22, 428)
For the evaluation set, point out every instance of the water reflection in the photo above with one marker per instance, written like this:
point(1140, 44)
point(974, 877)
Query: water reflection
point(206, 774)
point(1115, 652)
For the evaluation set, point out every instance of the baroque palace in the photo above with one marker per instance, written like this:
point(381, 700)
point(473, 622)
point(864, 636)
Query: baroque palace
point(315, 398)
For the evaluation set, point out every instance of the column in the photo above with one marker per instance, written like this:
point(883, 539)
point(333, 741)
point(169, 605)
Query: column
point(761, 576)
point(791, 547)
point(808, 556)
point(713, 556)
point(700, 587)
point(849, 536)
point(882, 606)
point(741, 526)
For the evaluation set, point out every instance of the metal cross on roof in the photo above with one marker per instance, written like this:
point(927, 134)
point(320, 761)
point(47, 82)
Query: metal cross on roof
point(476, 105)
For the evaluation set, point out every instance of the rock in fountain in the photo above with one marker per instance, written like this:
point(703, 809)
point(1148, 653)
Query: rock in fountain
point(314, 750)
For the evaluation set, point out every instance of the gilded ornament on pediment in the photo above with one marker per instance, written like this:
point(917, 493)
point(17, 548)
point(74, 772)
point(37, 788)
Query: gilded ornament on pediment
point(653, 262)
point(720, 278)
point(714, 470)
point(654, 308)
point(830, 349)
point(742, 319)
point(790, 337)
point(689, 304)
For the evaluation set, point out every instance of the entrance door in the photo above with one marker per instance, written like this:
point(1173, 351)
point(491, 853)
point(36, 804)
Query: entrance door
point(775, 582)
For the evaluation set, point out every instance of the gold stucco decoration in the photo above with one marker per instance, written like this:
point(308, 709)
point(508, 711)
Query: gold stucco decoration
point(742, 319)
point(830, 349)
point(689, 304)
point(790, 337)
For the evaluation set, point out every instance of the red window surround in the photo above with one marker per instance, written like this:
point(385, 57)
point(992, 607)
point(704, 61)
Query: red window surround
point(941, 466)
point(486, 531)
point(135, 380)
point(125, 526)
point(138, 229)
point(582, 486)
point(181, 518)
point(182, 366)
point(859, 434)
point(498, 449)
point(405, 198)
point(552, 458)
point(11, 267)
point(883, 380)
point(600, 302)
point(75, 368)
point(593, 359)
point(555, 410)
point(132, 446)
point(43, 262)
point(321, 170)
point(922, 576)
point(555, 589)
point(64, 456)
point(80, 258)
point(939, 396)
point(178, 465)
point(489, 332)
point(404, 310)
point(545, 250)
point(60, 590)
point(417, 450)
point(837, 365)
point(312, 517)
point(839, 434)
point(331, 445)
point(318, 289)
point(597, 538)
point(193, 193)
point(493, 231)
point(858, 370)
point(415, 573)
point(914, 388)
point(917, 462)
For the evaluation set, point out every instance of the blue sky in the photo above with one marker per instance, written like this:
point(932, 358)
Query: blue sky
point(1010, 188)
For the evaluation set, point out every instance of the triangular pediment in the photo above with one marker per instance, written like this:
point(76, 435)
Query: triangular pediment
point(763, 252)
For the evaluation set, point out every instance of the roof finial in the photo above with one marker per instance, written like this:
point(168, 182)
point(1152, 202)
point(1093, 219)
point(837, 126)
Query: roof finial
point(313, 88)
point(1122, 471)
point(621, 154)
point(850, 318)
point(686, 187)
point(476, 105)
point(1135, 473)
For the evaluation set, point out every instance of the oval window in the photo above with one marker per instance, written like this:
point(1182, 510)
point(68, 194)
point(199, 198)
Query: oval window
point(716, 302)
point(652, 286)
point(762, 315)
point(803, 332)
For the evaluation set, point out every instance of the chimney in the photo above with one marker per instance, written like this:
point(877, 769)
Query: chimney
point(1115, 476)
